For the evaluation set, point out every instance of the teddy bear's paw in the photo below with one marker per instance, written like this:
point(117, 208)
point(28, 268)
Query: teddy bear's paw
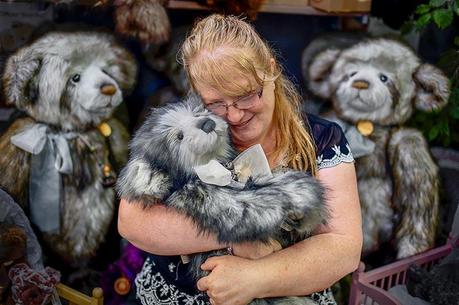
point(138, 179)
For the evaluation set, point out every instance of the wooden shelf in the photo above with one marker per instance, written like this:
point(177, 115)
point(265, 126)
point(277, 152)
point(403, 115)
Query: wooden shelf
point(299, 7)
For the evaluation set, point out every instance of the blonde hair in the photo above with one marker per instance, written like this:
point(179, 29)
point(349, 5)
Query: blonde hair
point(218, 44)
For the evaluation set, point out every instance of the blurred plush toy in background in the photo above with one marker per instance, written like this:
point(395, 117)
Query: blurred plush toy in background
point(59, 161)
point(375, 86)
point(234, 7)
point(145, 20)
point(23, 279)
point(118, 280)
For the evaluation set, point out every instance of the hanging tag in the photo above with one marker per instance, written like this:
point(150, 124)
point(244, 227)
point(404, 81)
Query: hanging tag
point(251, 163)
point(365, 127)
point(105, 129)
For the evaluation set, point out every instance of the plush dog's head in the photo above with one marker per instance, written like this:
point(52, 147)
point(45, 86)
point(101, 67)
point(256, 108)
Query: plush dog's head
point(69, 80)
point(380, 80)
point(179, 136)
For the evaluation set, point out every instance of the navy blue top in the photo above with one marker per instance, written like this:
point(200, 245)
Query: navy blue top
point(166, 280)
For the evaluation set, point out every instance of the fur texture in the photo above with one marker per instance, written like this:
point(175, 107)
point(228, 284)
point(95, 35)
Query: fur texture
point(145, 20)
point(382, 81)
point(176, 138)
point(70, 82)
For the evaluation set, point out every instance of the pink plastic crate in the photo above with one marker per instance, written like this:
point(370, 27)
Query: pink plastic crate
point(371, 288)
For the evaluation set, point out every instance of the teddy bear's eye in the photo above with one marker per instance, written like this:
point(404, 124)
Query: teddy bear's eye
point(180, 136)
point(76, 78)
point(383, 78)
point(352, 73)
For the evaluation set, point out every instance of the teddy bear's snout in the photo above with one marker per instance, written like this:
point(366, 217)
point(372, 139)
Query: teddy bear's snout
point(207, 125)
point(360, 84)
point(108, 89)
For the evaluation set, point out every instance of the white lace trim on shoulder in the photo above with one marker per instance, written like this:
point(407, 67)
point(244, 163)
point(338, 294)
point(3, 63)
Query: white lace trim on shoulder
point(338, 158)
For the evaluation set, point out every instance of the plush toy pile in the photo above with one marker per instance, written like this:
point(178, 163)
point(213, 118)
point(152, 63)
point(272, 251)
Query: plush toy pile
point(375, 86)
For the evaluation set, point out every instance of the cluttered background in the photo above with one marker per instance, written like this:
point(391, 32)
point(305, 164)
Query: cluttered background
point(138, 41)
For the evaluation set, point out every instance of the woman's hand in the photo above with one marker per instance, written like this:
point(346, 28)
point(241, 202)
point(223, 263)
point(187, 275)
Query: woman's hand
point(231, 280)
point(255, 250)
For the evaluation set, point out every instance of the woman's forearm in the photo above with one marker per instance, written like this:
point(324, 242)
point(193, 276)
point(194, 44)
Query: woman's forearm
point(162, 231)
point(306, 268)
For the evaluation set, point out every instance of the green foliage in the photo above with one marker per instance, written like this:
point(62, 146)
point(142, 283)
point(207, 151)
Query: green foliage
point(440, 127)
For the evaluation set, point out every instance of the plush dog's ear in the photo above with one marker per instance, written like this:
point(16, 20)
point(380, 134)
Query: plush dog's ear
point(319, 72)
point(433, 88)
point(20, 77)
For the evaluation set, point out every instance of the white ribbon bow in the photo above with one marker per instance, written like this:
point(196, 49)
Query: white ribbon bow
point(50, 158)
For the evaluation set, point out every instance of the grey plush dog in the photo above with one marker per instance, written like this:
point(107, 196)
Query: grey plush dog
point(178, 137)
point(375, 86)
point(56, 162)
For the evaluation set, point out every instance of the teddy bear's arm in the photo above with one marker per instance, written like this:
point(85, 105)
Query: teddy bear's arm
point(15, 164)
point(256, 211)
point(139, 182)
point(118, 142)
point(415, 191)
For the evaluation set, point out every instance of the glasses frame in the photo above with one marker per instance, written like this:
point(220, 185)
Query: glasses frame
point(234, 104)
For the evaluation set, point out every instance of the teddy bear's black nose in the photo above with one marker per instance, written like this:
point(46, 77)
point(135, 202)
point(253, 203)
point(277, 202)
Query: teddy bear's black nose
point(207, 125)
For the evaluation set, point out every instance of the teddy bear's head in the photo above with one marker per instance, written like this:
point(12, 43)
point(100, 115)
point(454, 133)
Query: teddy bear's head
point(69, 80)
point(380, 80)
point(181, 135)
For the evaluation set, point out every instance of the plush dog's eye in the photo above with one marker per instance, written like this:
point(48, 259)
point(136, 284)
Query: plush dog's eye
point(383, 78)
point(352, 73)
point(180, 136)
point(76, 78)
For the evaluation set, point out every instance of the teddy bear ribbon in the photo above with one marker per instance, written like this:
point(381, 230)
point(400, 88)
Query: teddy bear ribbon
point(360, 145)
point(50, 157)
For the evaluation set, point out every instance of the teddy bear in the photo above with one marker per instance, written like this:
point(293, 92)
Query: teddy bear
point(178, 158)
point(59, 159)
point(375, 85)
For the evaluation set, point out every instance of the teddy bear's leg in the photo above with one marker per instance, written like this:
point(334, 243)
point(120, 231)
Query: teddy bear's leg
point(254, 211)
point(415, 191)
point(377, 214)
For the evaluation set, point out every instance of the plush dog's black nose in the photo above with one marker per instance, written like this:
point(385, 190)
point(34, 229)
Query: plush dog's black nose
point(207, 125)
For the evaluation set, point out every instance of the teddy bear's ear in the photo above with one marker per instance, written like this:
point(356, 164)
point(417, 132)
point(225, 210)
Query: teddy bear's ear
point(20, 77)
point(319, 71)
point(127, 73)
point(433, 88)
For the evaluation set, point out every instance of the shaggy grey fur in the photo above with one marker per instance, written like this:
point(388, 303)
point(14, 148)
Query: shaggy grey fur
point(58, 81)
point(382, 81)
point(176, 138)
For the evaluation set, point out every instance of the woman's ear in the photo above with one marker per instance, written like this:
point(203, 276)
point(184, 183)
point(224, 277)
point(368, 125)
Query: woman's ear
point(272, 63)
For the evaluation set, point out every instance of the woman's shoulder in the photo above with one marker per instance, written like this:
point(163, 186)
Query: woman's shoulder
point(332, 147)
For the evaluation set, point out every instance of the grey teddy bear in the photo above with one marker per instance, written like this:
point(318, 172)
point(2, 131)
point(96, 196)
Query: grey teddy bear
point(375, 86)
point(58, 161)
point(176, 138)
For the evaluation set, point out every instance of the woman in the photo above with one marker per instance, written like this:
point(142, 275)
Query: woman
point(238, 78)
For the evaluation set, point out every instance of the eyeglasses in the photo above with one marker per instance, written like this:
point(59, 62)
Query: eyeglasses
point(242, 103)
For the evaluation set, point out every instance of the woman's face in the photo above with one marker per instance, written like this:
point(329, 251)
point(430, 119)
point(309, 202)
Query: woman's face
point(250, 126)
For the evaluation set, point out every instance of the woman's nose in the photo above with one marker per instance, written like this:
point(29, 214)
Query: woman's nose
point(234, 115)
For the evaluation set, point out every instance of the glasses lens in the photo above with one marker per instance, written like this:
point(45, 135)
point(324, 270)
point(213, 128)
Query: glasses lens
point(248, 101)
point(217, 108)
